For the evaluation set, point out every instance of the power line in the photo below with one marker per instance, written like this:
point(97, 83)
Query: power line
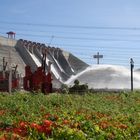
point(115, 56)
point(110, 61)
point(70, 32)
point(99, 48)
point(93, 47)
point(72, 26)
point(82, 38)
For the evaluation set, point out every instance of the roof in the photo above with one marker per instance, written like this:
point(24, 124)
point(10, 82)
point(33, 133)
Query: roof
point(10, 32)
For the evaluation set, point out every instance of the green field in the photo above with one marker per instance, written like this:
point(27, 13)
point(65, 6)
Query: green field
point(102, 116)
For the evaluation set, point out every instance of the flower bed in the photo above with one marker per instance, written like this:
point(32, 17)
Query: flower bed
point(70, 117)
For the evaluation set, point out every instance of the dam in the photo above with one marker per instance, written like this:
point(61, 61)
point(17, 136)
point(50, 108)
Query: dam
point(25, 52)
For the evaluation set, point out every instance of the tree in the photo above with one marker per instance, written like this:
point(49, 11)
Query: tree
point(76, 82)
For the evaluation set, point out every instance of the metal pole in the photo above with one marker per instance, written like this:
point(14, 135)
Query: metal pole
point(132, 66)
point(131, 78)
point(98, 58)
point(10, 70)
point(10, 80)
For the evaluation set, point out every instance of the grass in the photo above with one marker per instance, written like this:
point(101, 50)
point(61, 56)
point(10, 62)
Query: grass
point(88, 116)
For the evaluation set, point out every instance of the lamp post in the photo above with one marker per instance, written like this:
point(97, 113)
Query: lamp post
point(131, 67)
point(9, 68)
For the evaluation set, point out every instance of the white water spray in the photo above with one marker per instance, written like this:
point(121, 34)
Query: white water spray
point(106, 77)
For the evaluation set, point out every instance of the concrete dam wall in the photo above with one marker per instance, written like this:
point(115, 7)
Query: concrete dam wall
point(11, 55)
point(24, 52)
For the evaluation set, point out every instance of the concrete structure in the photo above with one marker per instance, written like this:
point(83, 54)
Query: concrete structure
point(11, 35)
point(7, 48)
point(24, 52)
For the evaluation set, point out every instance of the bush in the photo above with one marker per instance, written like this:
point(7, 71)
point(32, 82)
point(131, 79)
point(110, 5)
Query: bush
point(77, 88)
point(64, 88)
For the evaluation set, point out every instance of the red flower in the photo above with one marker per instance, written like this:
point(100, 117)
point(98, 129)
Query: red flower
point(40, 129)
point(104, 124)
point(34, 126)
point(8, 129)
point(66, 122)
point(47, 123)
point(2, 112)
point(23, 125)
point(44, 129)
point(3, 138)
point(47, 115)
point(123, 126)
point(20, 132)
point(48, 131)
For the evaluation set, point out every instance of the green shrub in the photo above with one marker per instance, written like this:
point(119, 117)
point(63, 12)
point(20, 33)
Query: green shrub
point(77, 88)
point(64, 88)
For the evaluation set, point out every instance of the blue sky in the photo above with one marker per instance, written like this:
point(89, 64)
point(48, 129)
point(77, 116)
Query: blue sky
point(111, 27)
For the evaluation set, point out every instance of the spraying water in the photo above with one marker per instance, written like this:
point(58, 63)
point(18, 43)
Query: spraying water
point(106, 77)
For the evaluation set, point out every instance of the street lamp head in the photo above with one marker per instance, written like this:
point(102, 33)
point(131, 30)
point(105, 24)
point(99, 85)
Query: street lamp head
point(131, 61)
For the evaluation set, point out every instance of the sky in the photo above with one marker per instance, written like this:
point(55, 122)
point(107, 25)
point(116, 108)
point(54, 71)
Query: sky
point(82, 27)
